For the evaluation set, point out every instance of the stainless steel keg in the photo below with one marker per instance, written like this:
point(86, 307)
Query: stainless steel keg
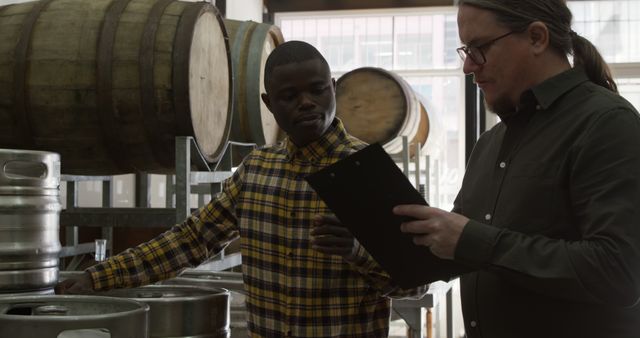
point(231, 281)
point(43, 292)
point(182, 311)
point(29, 219)
point(72, 316)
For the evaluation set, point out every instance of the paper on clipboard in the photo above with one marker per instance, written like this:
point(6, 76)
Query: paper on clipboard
point(362, 190)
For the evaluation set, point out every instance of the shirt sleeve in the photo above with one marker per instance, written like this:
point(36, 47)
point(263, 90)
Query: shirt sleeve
point(185, 245)
point(602, 264)
point(380, 279)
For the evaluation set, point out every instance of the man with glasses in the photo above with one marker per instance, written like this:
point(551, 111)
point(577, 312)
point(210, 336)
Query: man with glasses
point(548, 216)
point(475, 52)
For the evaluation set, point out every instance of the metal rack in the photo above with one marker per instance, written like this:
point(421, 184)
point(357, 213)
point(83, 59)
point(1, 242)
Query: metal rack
point(205, 179)
point(411, 310)
point(404, 157)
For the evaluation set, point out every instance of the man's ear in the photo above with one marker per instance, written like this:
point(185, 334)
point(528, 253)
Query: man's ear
point(538, 37)
point(266, 100)
point(333, 81)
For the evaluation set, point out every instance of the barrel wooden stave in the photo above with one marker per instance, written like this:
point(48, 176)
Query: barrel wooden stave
point(66, 85)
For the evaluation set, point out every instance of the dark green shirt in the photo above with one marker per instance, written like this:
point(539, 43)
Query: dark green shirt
point(553, 194)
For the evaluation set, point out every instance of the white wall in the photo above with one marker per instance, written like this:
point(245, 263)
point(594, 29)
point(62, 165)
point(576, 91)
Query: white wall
point(244, 10)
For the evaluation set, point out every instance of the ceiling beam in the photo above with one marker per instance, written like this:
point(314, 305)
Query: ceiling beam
point(330, 5)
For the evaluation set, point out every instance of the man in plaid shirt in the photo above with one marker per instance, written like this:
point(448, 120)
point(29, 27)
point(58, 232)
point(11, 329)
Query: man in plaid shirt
point(304, 273)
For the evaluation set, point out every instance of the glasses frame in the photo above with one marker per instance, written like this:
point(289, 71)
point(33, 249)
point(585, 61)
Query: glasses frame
point(468, 51)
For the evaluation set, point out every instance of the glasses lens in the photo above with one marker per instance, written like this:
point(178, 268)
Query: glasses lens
point(462, 53)
point(476, 55)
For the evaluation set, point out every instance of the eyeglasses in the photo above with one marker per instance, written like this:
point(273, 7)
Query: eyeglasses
point(475, 52)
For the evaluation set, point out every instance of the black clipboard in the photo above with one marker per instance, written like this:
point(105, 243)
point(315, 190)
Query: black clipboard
point(362, 190)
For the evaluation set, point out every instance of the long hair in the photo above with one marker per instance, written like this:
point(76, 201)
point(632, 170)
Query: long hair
point(518, 14)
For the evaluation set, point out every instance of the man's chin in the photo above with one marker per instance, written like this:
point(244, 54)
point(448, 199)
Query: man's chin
point(501, 107)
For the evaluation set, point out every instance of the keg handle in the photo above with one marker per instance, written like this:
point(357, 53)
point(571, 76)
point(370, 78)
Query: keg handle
point(51, 310)
point(17, 169)
point(149, 295)
point(27, 170)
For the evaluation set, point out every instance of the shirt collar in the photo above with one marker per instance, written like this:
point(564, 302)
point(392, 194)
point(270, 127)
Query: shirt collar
point(318, 149)
point(543, 95)
point(550, 90)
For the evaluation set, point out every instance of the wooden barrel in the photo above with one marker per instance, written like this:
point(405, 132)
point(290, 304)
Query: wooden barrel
point(109, 84)
point(251, 43)
point(377, 105)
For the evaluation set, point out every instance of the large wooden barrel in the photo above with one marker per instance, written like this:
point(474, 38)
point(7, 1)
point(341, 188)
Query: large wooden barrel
point(109, 84)
point(377, 105)
point(251, 43)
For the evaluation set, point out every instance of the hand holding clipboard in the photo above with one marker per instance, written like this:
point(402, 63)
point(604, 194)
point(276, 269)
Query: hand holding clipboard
point(362, 191)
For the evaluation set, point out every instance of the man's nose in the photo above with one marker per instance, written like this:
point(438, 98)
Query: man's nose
point(469, 66)
point(306, 102)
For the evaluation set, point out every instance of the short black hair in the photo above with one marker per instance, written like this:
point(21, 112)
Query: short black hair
point(291, 52)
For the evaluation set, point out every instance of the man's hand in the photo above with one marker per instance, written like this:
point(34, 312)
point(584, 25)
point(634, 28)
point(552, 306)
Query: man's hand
point(434, 228)
point(331, 237)
point(82, 284)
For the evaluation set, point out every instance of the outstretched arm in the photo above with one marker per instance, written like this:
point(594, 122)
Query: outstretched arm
point(184, 245)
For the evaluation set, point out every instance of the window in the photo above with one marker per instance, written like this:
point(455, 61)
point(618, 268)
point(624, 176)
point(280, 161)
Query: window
point(630, 90)
point(417, 44)
point(612, 26)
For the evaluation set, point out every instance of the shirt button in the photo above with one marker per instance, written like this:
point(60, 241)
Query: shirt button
point(290, 253)
point(537, 107)
point(503, 165)
point(293, 214)
point(487, 217)
point(473, 323)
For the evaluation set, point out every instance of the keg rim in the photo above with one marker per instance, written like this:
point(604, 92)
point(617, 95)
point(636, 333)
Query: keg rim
point(198, 282)
point(219, 292)
point(21, 190)
point(139, 307)
point(28, 152)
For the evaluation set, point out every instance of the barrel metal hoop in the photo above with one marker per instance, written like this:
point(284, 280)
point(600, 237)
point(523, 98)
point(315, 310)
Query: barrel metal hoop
point(154, 128)
point(181, 56)
point(239, 53)
point(258, 38)
point(23, 47)
point(230, 110)
point(242, 44)
point(276, 34)
point(107, 114)
point(180, 75)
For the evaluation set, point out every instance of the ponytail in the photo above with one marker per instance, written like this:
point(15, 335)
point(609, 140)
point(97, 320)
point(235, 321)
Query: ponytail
point(517, 14)
point(586, 55)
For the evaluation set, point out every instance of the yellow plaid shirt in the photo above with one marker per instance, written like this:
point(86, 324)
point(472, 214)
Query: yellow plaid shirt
point(292, 289)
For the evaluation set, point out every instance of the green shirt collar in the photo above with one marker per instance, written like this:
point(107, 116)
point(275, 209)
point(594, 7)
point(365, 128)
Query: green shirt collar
point(550, 90)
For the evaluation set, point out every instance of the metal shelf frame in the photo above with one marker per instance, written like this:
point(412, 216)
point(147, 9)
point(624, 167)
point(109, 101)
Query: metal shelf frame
point(411, 310)
point(205, 179)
